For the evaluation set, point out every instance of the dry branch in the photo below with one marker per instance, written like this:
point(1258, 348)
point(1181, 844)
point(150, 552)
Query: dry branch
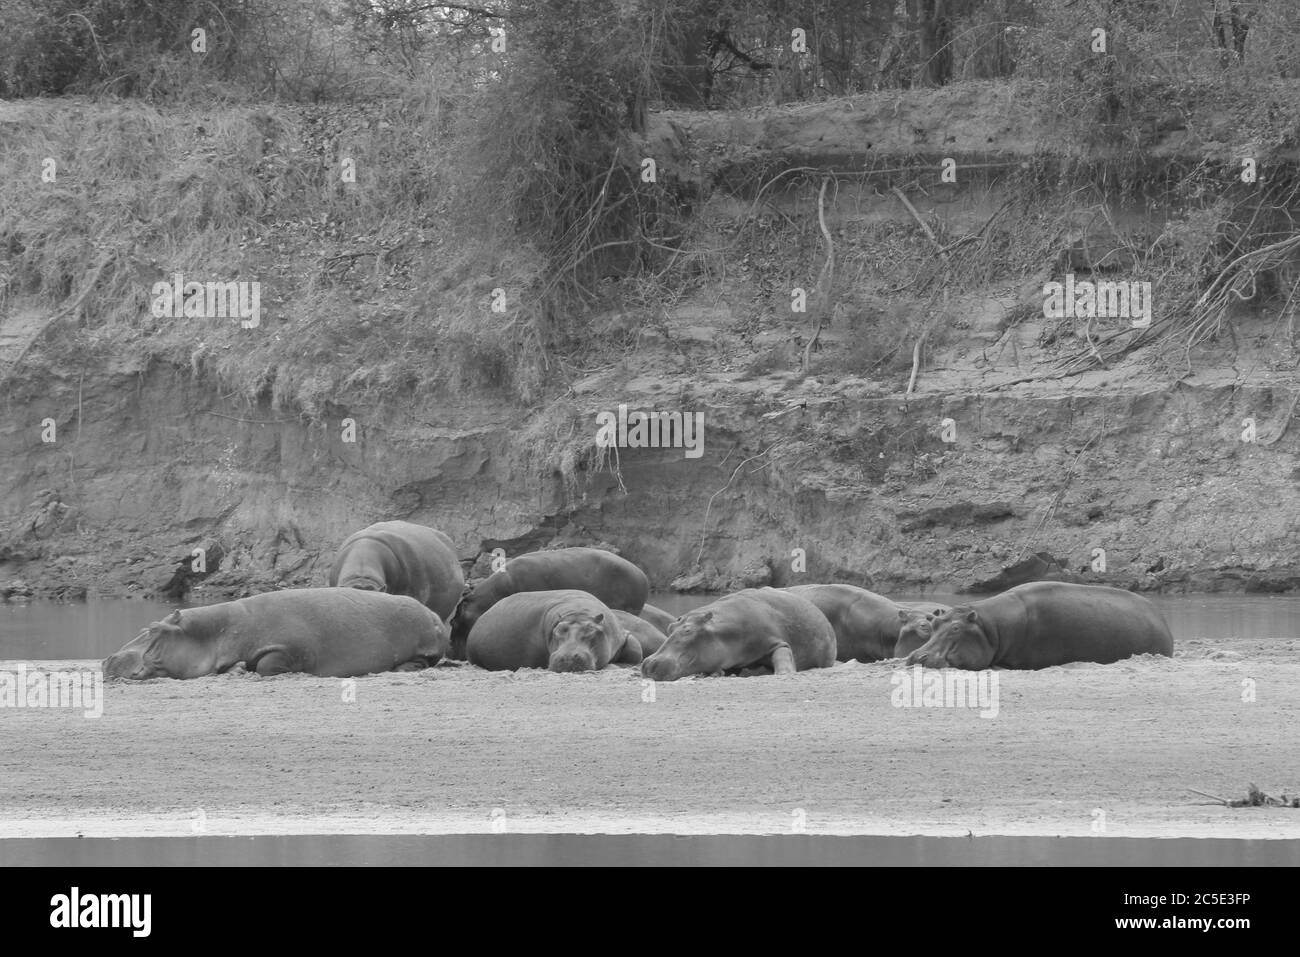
point(827, 277)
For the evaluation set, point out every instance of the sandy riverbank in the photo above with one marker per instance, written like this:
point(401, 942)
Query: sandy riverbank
point(458, 750)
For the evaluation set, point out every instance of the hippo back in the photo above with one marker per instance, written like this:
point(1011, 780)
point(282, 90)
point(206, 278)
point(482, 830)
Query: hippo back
point(806, 629)
point(661, 619)
point(1057, 622)
point(650, 638)
point(342, 632)
point(611, 578)
point(515, 632)
point(408, 559)
point(331, 632)
point(1042, 624)
point(866, 625)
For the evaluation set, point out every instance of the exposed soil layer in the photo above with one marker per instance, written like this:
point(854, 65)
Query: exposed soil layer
point(836, 462)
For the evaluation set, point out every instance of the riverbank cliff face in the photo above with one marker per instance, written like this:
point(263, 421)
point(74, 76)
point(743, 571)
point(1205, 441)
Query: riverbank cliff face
point(820, 460)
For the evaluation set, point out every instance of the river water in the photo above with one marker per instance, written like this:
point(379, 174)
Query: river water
point(601, 850)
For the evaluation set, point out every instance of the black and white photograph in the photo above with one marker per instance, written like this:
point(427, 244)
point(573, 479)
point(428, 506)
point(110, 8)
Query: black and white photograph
point(656, 433)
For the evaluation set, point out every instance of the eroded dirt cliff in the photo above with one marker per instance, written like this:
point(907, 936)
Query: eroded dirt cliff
point(832, 470)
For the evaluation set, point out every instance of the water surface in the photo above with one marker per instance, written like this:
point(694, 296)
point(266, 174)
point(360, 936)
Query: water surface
point(560, 850)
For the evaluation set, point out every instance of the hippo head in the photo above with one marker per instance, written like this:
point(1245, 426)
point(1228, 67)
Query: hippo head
point(163, 650)
point(915, 629)
point(129, 661)
point(959, 641)
point(574, 640)
point(693, 647)
point(463, 616)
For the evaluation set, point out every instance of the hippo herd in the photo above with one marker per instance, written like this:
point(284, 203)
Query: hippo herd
point(397, 601)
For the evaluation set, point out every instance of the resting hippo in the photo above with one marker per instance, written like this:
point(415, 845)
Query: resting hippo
point(615, 581)
point(563, 630)
point(754, 627)
point(1043, 624)
point(650, 638)
point(657, 617)
point(402, 558)
point(1039, 567)
point(916, 620)
point(866, 625)
point(332, 632)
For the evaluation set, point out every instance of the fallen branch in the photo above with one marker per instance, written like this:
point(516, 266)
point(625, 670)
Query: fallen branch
point(973, 237)
point(1286, 420)
point(800, 404)
point(1254, 798)
point(704, 532)
point(824, 281)
point(916, 363)
point(925, 227)
point(943, 253)
point(1069, 477)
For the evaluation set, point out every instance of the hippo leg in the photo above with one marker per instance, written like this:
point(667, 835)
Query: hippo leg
point(629, 654)
point(783, 660)
point(273, 660)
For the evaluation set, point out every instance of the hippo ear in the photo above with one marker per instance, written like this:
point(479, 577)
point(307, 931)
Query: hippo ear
point(903, 615)
point(971, 616)
point(600, 616)
point(174, 618)
point(938, 613)
point(707, 616)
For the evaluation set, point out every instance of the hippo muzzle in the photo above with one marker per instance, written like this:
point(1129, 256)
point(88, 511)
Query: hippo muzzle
point(662, 668)
point(572, 659)
point(128, 663)
point(925, 659)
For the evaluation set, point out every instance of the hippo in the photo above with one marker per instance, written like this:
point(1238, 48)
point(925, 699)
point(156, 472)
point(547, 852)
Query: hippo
point(402, 558)
point(331, 632)
point(747, 629)
point(613, 580)
point(562, 630)
point(916, 620)
point(657, 617)
point(1042, 624)
point(866, 625)
point(650, 638)
point(1038, 567)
